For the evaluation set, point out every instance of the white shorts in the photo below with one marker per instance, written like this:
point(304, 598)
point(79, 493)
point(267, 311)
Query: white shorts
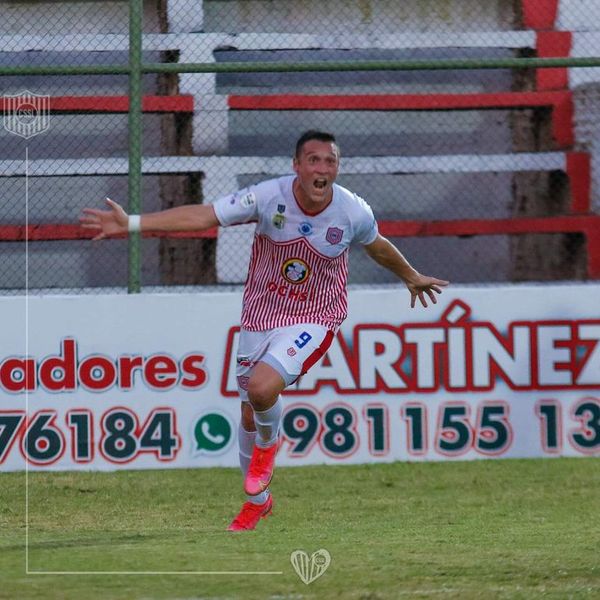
point(291, 351)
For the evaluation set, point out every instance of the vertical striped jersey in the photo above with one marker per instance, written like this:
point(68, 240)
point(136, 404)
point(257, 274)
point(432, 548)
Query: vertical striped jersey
point(299, 266)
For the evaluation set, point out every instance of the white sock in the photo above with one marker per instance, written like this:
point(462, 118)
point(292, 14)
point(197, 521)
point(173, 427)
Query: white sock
point(246, 445)
point(267, 424)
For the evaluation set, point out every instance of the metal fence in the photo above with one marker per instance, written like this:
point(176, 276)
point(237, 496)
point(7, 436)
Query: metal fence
point(470, 127)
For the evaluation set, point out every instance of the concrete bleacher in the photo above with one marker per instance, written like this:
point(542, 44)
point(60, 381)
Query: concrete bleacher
point(444, 136)
point(212, 132)
point(458, 167)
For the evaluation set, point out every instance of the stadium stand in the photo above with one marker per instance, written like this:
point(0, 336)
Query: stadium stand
point(224, 139)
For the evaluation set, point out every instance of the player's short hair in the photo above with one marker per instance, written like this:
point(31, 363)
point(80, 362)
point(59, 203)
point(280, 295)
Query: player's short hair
point(314, 134)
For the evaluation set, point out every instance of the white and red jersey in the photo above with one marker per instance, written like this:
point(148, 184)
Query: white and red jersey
point(299, 265)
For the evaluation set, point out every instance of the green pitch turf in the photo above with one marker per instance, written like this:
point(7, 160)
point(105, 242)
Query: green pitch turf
point(486, 529)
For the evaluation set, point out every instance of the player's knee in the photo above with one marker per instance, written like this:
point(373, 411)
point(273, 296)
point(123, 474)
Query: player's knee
point(260, 393)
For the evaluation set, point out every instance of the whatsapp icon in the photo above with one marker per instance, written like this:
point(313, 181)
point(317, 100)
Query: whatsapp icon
point(212, 433)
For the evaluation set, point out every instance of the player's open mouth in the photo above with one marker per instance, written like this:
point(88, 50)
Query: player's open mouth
point(320, 184)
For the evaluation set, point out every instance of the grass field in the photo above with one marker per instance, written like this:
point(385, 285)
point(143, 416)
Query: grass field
point(485, 529)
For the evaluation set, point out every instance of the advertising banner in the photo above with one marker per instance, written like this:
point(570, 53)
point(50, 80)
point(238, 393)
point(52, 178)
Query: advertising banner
point(148, 381)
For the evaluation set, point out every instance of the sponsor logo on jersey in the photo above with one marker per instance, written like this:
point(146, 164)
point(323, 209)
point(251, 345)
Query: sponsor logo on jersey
point(278, 221)
point(334, 235)
point(248, 200)
point(292, 293)
point(305, 228)
point(295, 270)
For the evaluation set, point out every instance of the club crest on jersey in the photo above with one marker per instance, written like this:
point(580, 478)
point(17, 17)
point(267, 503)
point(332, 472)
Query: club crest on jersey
point(281, 208)
point(305, 228)
point(334, 235)
point(278, 221)
point(244, 361)
point(295, 271)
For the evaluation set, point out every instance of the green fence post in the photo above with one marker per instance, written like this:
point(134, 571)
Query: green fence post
point(135, 139)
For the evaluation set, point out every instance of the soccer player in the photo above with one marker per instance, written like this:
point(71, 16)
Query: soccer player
point(295, 296)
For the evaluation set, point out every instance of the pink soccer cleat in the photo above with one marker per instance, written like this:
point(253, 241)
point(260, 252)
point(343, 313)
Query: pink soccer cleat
point(260, 471)
point(251, 514)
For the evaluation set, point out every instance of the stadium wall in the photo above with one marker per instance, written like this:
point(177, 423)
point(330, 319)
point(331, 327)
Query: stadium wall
point(110, 382)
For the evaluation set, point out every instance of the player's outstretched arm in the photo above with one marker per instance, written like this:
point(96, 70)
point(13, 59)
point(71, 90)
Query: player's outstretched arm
point(383, 252)
point(115, 221)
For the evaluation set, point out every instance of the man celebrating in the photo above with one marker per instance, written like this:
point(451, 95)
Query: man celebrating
point(295, 296)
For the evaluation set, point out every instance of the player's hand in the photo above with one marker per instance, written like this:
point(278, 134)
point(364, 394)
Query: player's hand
point(108, 223)
point(423, 285)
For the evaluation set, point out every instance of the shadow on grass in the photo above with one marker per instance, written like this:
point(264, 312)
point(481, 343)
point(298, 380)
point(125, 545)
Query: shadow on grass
point(83, 543)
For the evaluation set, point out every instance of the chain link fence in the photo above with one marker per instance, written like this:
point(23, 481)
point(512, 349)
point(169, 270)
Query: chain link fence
point(478, 175)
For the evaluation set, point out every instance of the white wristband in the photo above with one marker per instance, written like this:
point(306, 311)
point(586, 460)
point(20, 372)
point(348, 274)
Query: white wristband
point(134, 223)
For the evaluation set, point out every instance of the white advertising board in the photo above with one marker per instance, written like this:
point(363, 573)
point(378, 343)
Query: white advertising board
point(148, 381)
